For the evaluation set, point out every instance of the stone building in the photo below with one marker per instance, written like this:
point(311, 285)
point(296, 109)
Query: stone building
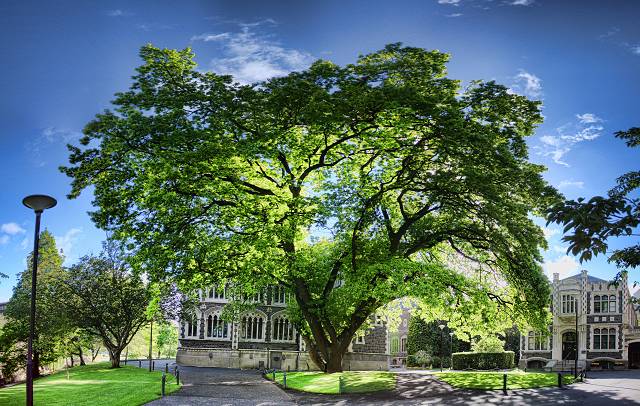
point(398, 339)
point(591, 320)
point(263, 337)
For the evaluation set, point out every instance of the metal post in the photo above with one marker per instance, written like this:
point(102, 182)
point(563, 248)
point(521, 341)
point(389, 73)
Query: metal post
point(274, 374)
point(151, 348)
point(164, 381)
point(284, 379)
point(559, 380)
point(575, 372)
point(166, 368)
point(504, 383)
point(340, 385)
point(177, 376)
point(32, 321)
point(139, 363)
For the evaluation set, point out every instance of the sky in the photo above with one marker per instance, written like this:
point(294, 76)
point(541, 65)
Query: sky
point(62, 62)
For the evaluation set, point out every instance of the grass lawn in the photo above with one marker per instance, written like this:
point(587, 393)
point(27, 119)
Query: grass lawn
point(95, 384)
point(353, 382)
point(493, 380)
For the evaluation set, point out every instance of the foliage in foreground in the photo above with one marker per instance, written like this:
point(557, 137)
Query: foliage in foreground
point(212, 181)
point(493, 380)
point(353, 382)
point(92, 385)
point(483, 360)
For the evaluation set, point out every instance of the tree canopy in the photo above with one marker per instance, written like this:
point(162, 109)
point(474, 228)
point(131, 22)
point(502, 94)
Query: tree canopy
point(590, 224)
point(349, 185)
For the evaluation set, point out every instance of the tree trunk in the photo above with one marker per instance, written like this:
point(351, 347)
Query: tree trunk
point(114, 356)
point(80, 355)
point(71, 358)
point(334, 363)
point(36, 364)
point(151, 346)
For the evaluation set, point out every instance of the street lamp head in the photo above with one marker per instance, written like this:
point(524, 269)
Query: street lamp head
point(451, 334)
point(441, 326)
point(39, 202)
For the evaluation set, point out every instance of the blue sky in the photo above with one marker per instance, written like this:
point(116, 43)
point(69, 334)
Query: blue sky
point(63, 61)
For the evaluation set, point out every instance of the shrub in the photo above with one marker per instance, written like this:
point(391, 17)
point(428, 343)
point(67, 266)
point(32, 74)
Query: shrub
point(488, 344)
point(483, 360)
point(422, 358)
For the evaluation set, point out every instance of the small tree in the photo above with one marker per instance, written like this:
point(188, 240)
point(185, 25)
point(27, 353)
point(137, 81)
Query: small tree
point(166, 339)
point(107, 301)
point(489, 343)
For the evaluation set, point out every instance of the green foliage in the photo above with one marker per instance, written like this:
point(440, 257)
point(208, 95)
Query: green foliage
point(490, 343)
point(483, 360)
point(166, 340)
point(210, 181)
point(427, 336)
point(105, 299)
point(589, 224)
point(52, 324)
point(421, 358)
point(92, 385)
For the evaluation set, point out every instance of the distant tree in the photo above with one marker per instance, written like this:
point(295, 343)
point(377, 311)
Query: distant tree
point(52, 324)
point(512, 342)
point(589, 225)
point(391, 160)
point(427, 336)
point(166, 339)
point(108, 301)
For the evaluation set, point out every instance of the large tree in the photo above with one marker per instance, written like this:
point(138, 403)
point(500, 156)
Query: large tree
point(590, 225)
point(105, 299)
point(349, 185)
point(51, 324)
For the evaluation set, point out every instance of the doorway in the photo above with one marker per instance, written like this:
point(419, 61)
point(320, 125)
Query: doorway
point(634, 355)
point(569, 341)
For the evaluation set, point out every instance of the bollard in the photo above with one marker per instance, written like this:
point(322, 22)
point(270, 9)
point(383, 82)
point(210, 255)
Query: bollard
point(139, 364)
point(559, 380)
point(166, 368)
point(504, 383)
point(340, 385)
point(177, 376)
point(164, 381)
point(284, 379)
point(274, 374)
point(153, 365)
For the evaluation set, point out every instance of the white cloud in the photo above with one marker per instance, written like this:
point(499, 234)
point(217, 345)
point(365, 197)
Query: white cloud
point(588, 118)
point(4, 239)
point(528, 83)
point(550, 232)
point(522, 2)
point(66, 242)
point(454, 15)
point(12, 229)
point(568, 135)
point(568, 184)
point(635, 50)
point(250, 57)
point(563, 265)
point(39, 147)
point(25, 243)
point(450, 2)
point(559, 249)
point(118, 13)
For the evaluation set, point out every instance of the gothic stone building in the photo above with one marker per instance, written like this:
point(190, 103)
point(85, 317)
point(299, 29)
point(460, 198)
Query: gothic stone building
point(263, 337)
point(607, 334)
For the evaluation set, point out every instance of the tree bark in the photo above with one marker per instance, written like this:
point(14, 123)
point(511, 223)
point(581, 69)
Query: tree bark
point(114, 356)
point(80, 355)
point(36, 364)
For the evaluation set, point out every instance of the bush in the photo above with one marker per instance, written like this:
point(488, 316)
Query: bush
point(421, 358)
point(483, 360)
point(488, 344)
point(446, 362)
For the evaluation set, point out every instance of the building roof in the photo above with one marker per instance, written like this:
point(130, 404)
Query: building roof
point(590, 279)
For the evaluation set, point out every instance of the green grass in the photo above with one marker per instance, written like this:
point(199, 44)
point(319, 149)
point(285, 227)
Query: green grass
point(493, 380)
point(93, 385)
point(353, 382)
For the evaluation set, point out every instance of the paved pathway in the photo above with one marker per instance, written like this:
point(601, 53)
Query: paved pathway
point(232, 387)
point(222, 387)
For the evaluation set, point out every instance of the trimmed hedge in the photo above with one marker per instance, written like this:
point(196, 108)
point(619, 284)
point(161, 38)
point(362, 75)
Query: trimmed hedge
point(483, 360)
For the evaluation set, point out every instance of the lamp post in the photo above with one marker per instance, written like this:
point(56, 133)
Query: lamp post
point(38, 203)
point(451, 349)
point(441, 327)
point(575, 367)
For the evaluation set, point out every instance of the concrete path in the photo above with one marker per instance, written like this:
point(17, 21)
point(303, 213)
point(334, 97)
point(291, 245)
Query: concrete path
point(601, 388)
point(222, 387)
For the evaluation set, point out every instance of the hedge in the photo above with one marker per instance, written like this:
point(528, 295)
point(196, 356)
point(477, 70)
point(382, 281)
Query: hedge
point(483, 360)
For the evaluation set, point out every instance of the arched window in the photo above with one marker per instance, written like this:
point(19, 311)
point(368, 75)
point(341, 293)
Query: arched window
point(282, 329)
point(604, 339)
point(612, 304)
point(279, 294)
point(252, 327)
point(191, 326)
point(537, 341)
point(395, 345)
point(216, 327)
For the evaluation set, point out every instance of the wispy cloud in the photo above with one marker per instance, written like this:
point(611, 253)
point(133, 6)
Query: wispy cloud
point(570, 184)
point(49, 137)
point(450, 2)
point(521, 2)
point(4, 239)
point(454, 15)
point(12, 229)
point(67, 241)
point(528, 84)
point(550, 232)
point(119, 13)
point(252, 57)
point(563, 265)
point(24, 243)
point(568, 135)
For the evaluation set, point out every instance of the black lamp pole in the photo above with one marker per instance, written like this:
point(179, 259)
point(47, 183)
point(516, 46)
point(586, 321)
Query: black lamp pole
point(38, 203)
point(441, 326)
point(575, 367)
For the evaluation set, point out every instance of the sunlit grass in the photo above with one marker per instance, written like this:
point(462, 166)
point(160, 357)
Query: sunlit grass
point(493, 380)
point(92, 385)
point(353, 382)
